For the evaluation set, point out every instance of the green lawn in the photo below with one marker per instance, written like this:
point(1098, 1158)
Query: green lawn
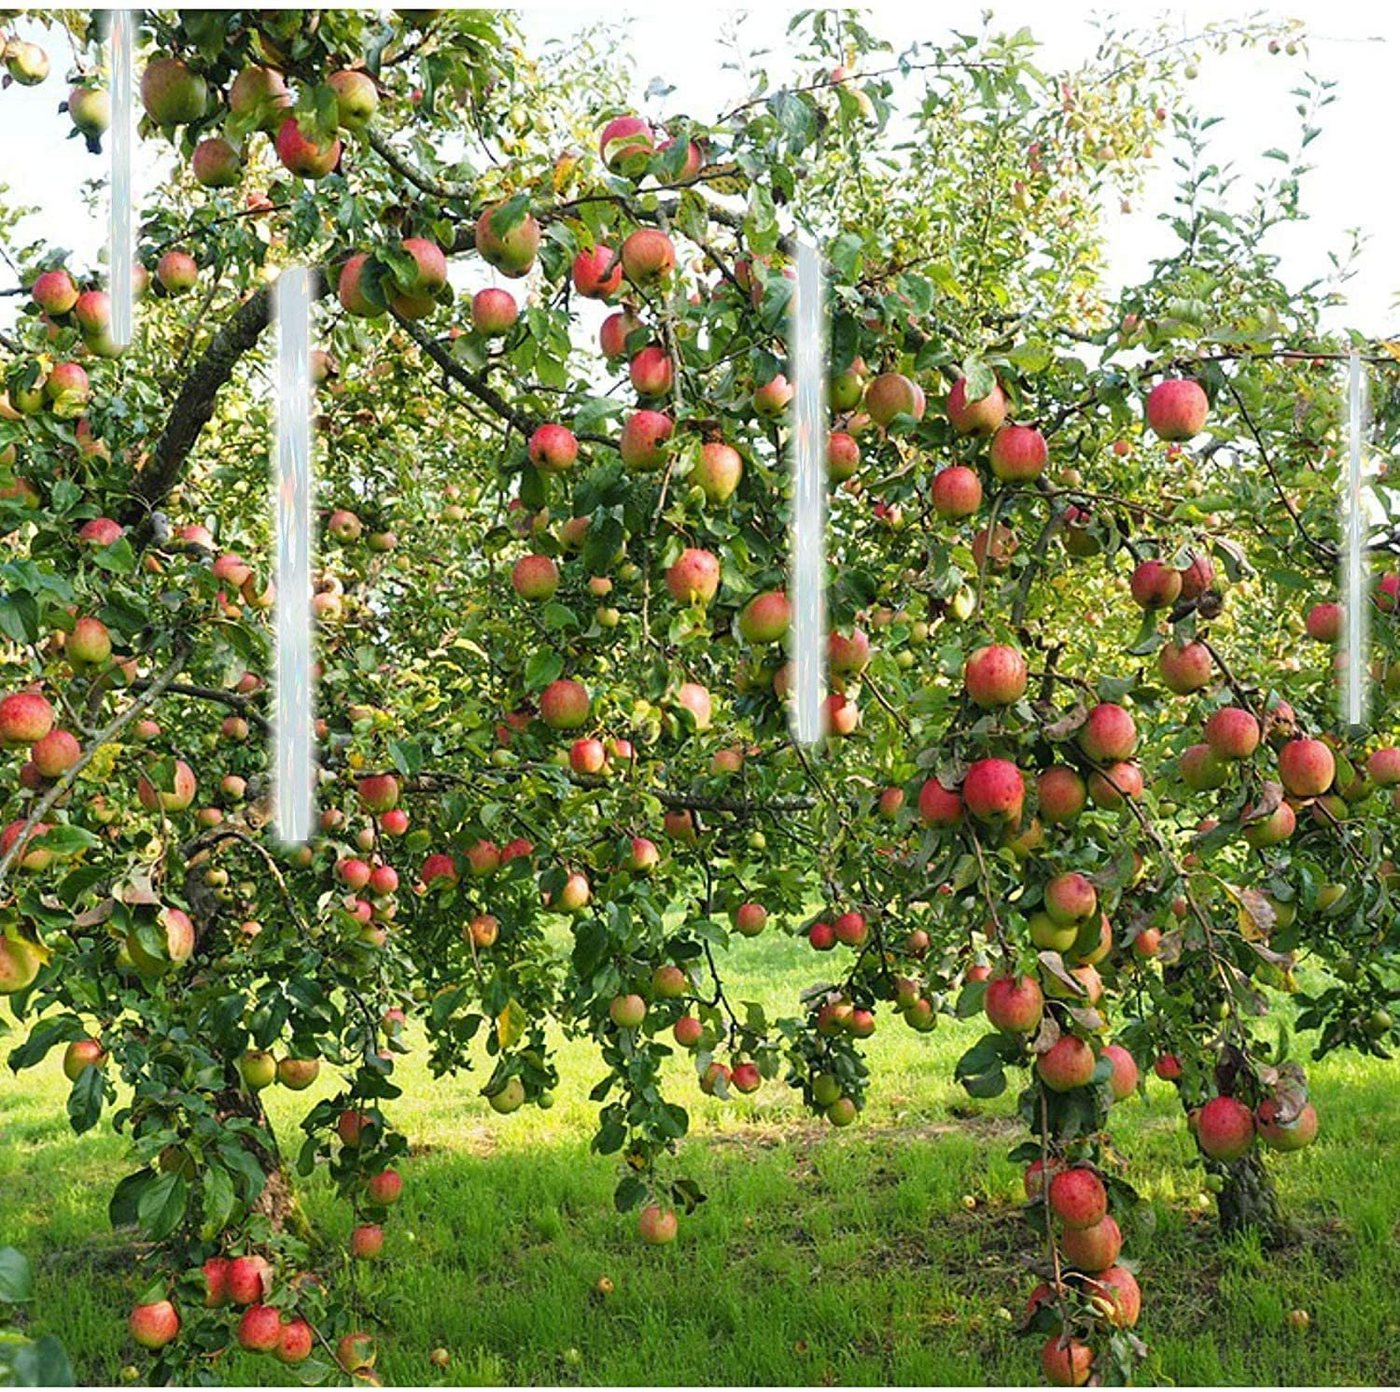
point(888, 1253)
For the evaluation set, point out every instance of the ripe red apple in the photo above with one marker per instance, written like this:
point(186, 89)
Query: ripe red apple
point(1383, 767)
point(642, 855)
point(851, 929)
point(100, 531)
point(55, 754)
point(303, 156)
point(535, 577)
point(956, 492)
point(616, 329)
point(995, 676)
point(215, 1273)
point(494, 312)
point(1185, 667)
point(994, 791)
point(1124, 1079)
point(1324, 622)
point(1092, 1249)
point(1018, 454)
point(378, 792)
point(1225, 1128)
point(746, 1078)
point(1232, 733)
point(366, 1241)
point(260, 1329)
point(249, 1280)
point(174, 792)
point(648, 257)
point(626, 144)
point(822, 936)
point(717, 471)
point(1116, 1295)
point(687, 1031)
point(1066, 1362)
point(643, 440)
point(693, 578)
point(750, 919)
point(1061, 794)
point(1155, 585)
point(982, 416)
point(1109, 735)
point(155, 1325)
point(1077, 1198)
point(651, 371)
point(1068, 1063)
point(25, 717)
point(553, 448)
point(627, 1011)
point(295, 1341)
point(80, 1055)
point(1306, 767)
point(1014, 1004)
point(1177, 409)
point(1167, 1068)
point(55, 292)
point(657, 1225)
point(506, 240)
point(597, 273)
point(587, 757)
point(937, 806)
point(1197, 577)
point(172, 94)
point(565, 704)
point(89, 644)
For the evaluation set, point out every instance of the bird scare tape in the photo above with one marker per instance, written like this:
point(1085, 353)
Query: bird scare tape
point(121, 242)
point(808, 540)
point(1355, 531)
point(293, 733)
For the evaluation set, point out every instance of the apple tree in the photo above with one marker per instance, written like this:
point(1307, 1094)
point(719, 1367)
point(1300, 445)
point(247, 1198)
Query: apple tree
point(1084, 775)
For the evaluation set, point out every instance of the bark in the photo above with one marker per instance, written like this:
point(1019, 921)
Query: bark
point(194, 405)
point(1249, 1201)
point(278, 1202)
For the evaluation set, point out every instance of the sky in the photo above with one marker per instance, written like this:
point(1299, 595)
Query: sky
point(1353, 187)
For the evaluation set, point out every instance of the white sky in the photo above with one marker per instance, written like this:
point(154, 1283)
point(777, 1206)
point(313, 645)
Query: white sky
point(1353, 185)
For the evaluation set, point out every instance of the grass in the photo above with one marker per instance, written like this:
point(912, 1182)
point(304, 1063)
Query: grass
point(888, 1253)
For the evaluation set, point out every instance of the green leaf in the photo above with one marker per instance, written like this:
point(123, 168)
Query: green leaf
point(16, 1277)
point(162, 1205)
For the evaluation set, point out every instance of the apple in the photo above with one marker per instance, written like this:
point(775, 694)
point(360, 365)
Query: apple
point(687, 1031)
point(1154, 585)
point(627, 1011)
point(172, 94)
point(1185, 667)
point(1018, 454)
point(1115, 1295)
point(1066, 1362)
point(994, 791)
point(773, 397)
point(1109, 734)
point(1014, 1004)
point(177, 272)
point(616, 329)
point(693, 578)
point(717, 470)
point(295, 1341)
point(303, 156)
point(216, 163)
point(494, 312)
point(54, 292)
point(356, 98)
point(509, 1098)
point(355, 1353)
point(257, 1068)
point(1277, 1134)
point(507, 241)
point(842, 456)
point(553, 448)
point(995, 676)
point(956, 492)
point(80, 1055)
point(1068, 1063)
point(366, 1241)
point(1306, 767)
point(1070, 898)
point(249, 1280)
point(155, 1325)
point(644, 435)
point(1093, 1248)
point(651, 371)
point(535, 577)
point(669, 982)
point(565, 704)
point(597, 273)
point(1225, 1128)
point(1060, 794)
point(1124, 1078)
point(982, 416)
point(260, 94)
point(892, 394)
point(765, 618)
point(1177, 409)
point(1232, 733)
point(1077, 1198)
point(295, 1074)
point(259, 1329)
point(626, 145)
point(89, 644)
point(657, 1225)
point(648, 257)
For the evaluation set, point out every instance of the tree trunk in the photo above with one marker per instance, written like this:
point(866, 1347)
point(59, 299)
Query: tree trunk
point(278, 1202)
point(1248, 1202)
